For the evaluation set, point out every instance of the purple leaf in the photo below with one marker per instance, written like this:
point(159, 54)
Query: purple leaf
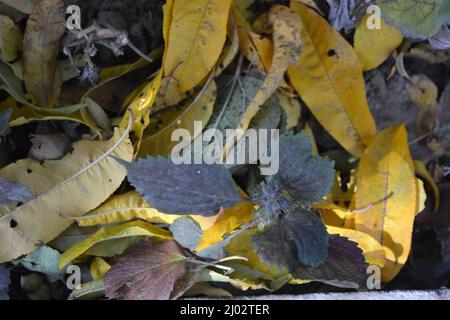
point(146, 271)
point(441, 40)
point(5, 280)
point(183, 189)
point(13, 192)
point(344, 267)
point(305, 177)
point(296, 238)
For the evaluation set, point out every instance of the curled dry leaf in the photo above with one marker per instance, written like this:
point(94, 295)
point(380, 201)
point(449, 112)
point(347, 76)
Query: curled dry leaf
point(287, 44)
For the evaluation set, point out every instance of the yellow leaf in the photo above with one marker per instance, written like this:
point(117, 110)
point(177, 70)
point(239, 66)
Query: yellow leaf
point(386, 173)
point(98, 268)
point(328, 77)
point(373, 251)
point(308, 131)
point(130, 229)
point(25, 115)
point(233, 217)
point(131, 206)
point(256, 49)
point(140, 108)
point(157, 139)
point(196, 38)
point(422, 172)
point(291, 107)
point(373, 47)
point(145, 100)
point(231, 48)
point(310, 3)
point(421, 196)
point(72, 186)
point(334, 215)
point(287, 45)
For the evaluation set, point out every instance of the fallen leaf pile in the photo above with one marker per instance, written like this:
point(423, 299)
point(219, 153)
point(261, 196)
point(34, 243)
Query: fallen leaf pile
point(88, 116)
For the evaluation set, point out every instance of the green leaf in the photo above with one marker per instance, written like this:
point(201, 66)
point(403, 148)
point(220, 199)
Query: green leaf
point(416, 18)
point(44, 260)
point(183, 189)
point(90, 290)
point(296, 238)
point(11, 84)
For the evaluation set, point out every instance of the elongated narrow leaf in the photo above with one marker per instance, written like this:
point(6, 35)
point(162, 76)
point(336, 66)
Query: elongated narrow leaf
point(387, 180)
point(25, 6)
point(44, 30)
point(69, 186)
point(287, 44)
point(258, 50)
point(126, 230)
point(131, 206)
point(184, 188)
point(328, 77)
point(11, 84)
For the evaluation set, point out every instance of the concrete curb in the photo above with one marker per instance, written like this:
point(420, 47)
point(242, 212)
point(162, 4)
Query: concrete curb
point(443, 294)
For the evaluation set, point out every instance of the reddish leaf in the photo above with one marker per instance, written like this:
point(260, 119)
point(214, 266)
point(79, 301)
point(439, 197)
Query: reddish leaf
point(146, 271)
